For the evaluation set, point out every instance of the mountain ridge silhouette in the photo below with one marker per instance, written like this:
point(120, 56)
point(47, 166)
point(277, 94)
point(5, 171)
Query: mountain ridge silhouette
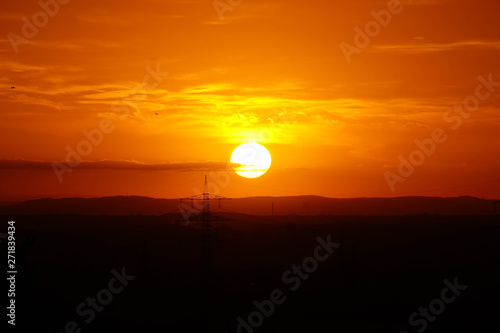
point(261, 205)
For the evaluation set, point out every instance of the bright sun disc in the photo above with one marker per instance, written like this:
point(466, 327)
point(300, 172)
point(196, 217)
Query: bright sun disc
point(254, 160)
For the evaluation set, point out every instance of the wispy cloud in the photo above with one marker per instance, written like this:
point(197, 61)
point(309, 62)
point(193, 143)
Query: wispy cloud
point(424, 47)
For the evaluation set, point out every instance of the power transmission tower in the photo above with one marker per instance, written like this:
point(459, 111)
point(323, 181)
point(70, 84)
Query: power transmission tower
point(206, 227)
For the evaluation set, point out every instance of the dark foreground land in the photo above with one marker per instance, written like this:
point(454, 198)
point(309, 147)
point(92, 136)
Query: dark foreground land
point(386, 269)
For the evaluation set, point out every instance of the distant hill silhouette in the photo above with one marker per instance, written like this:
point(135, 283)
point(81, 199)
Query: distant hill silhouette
point(299, 205)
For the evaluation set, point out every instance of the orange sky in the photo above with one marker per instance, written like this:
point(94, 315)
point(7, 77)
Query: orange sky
point(271, 72)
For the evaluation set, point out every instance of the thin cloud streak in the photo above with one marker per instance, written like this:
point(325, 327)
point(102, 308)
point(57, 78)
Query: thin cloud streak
point(6, 164)
point(438, 47)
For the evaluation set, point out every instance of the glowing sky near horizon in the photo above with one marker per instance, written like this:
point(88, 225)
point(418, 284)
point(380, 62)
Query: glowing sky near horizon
point(270, 72)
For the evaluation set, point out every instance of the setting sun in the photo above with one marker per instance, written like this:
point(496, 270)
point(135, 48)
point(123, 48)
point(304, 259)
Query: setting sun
point(254, 160)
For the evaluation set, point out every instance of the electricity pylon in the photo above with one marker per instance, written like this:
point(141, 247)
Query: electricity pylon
point(206, 227)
